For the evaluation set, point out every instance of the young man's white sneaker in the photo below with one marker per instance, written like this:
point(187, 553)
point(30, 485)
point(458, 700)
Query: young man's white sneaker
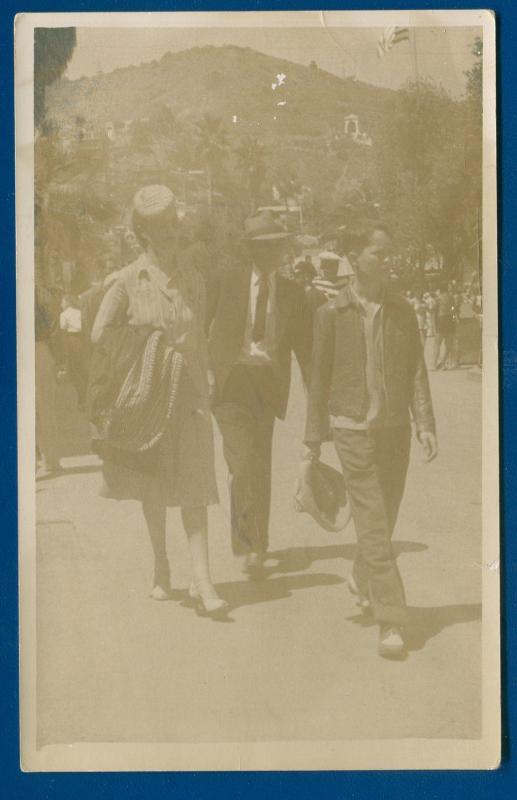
point(391, 643)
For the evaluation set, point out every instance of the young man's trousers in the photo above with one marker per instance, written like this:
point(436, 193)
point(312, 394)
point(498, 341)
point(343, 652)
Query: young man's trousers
point(374, 466)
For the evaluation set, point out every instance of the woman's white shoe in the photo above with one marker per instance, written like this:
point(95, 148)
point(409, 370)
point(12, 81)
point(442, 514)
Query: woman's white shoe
point(159, 593)
point(207, 598)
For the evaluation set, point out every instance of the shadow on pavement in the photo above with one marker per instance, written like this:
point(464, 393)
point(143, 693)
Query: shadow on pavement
point(297, 559)
point(68, 471)
point(248, 593)
point(426, 623)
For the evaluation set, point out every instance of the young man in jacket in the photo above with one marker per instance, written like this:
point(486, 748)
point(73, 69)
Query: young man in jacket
point(368, 380)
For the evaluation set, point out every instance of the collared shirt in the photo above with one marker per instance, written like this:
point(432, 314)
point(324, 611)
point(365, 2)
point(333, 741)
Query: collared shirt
point(70, 320)
point(372, 323)
point(264, 352)
point(145, 295)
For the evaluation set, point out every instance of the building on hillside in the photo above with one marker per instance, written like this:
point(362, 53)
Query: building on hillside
point(352, 130)
point(118, 132)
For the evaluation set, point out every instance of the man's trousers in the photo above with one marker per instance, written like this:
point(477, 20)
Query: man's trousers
point(245, 416)
point(374, 466)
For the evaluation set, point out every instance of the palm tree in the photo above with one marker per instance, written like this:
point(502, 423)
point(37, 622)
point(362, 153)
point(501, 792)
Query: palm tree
point(211, 147)
point(251, 159)
point(162, 136)
point(288, 183)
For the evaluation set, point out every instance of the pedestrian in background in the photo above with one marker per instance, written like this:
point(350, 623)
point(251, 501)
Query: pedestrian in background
point(476, 299)
point(430, 304)
point(46, 357)
point(421, 317)
point(445, 328)
point(90, 300)
point(457, 300)
point(70, 324)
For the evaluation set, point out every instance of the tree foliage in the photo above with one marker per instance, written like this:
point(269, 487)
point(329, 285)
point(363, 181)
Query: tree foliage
point(53, 48)
point(422, 173)
point(251, 157)
point(428, 170)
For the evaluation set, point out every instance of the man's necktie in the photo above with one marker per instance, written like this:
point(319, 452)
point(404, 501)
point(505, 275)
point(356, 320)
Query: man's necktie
point(259, 323)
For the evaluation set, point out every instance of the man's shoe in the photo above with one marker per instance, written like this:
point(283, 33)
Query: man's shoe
point(254, 563)
point(391, 643)
point(362, 600)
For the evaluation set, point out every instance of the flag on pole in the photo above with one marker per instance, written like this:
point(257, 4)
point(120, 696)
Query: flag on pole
point(390, 37)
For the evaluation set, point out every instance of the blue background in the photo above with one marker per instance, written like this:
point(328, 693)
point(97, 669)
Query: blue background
point(424, 785)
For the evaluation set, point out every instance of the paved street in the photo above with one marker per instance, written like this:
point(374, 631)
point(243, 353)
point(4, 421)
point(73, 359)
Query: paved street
point(295, 660)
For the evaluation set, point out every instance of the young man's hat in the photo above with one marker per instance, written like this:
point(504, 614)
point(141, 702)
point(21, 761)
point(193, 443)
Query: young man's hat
point(321, 492)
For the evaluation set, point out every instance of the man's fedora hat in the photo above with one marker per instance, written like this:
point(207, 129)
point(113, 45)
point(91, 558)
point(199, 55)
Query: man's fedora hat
point(321, 492)
point(263, 227)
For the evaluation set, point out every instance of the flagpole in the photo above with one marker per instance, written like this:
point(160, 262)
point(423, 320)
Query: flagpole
point(414, 52)
point(414, 59)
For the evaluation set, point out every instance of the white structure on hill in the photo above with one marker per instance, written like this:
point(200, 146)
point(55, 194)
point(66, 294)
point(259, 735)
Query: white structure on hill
point(352, 129)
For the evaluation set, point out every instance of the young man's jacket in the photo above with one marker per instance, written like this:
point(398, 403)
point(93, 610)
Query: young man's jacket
point(338, 377)
point(228, 294)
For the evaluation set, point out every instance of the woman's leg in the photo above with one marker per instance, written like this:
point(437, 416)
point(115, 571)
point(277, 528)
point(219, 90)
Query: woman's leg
point(155, 513)
point(195, 522)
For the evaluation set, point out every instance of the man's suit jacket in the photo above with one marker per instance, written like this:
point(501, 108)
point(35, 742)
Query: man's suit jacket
point(228, 295)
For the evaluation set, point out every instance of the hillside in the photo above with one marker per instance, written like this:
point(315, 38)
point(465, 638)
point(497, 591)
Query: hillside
point(185, 121)
point(231, 82)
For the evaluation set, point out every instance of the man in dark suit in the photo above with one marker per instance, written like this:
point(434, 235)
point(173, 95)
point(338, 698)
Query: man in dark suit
point(256, 318)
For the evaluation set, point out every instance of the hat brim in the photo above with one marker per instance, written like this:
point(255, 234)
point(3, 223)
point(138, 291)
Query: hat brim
point(305, 501)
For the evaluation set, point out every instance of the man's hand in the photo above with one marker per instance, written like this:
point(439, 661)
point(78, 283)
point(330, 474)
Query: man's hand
point(429, 444)
point(312, 451)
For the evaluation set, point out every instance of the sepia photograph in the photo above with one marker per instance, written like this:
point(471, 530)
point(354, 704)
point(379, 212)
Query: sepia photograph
point(258, 391)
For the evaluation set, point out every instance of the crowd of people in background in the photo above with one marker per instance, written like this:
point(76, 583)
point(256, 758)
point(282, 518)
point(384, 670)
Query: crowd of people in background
point(438, 311)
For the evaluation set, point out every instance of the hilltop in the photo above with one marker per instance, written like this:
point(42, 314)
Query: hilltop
point(235, 83)
point(411, 155)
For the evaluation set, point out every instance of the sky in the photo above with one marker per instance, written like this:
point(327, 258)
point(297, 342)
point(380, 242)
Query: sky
point(442, 54)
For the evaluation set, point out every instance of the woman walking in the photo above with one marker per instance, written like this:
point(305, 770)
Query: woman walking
point(159, 297)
